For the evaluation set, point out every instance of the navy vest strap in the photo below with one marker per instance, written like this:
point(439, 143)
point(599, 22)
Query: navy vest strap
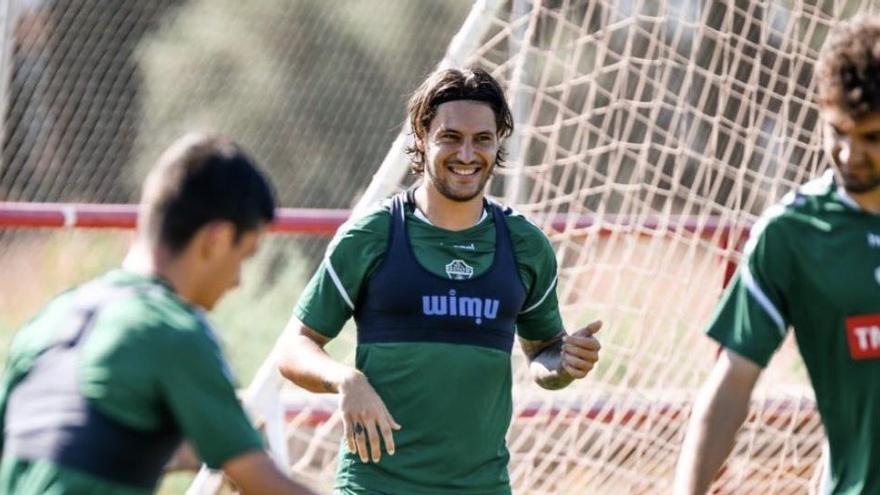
point(404, 302)
point(399, 244)
point(47, 417)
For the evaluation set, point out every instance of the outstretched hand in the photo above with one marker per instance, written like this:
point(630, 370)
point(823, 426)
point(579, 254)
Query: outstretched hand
point(365, 419)
point(580, 350)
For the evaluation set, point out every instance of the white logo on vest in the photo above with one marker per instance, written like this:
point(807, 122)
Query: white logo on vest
point(459, 270)
point(452, 305)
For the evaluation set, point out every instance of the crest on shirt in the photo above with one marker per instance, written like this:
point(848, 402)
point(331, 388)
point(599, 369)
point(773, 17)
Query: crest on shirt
point(459, 270)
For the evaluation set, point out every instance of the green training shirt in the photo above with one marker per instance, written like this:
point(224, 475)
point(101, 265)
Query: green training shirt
point(147, 355)
point(812, 263)
point(432, 388)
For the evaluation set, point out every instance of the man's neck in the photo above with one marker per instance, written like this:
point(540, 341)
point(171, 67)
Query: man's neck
point(157, 262)
point(446, 213)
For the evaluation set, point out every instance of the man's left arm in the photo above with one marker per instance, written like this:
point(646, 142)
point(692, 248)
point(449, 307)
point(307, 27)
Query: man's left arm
point(555, 357)
point(556, 362)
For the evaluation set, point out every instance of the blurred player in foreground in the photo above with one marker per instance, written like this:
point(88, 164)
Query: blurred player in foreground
point(106, 381)
point(439, 281)
point(812, 263)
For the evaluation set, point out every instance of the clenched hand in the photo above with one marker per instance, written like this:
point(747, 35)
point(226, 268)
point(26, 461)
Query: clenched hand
point(580, 350)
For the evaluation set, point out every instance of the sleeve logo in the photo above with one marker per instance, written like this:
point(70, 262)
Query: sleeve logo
point(863, 334)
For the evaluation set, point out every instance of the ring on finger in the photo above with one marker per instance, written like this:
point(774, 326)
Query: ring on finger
point(358, 428)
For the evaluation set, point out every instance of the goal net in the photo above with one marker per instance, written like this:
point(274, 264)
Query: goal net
point(650, 135)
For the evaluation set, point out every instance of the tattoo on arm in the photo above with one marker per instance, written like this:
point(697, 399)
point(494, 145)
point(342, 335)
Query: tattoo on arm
point(328, 386)
point(545, 362)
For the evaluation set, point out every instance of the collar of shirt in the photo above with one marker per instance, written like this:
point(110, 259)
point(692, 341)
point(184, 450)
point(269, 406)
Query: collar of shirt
point(421, 216)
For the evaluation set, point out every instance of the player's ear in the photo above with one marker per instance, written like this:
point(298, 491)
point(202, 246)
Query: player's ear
point(215, 239)
point(423, 138)
point(420, 143)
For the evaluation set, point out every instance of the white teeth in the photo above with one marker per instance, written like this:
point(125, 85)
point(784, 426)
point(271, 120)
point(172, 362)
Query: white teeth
point(463, 171)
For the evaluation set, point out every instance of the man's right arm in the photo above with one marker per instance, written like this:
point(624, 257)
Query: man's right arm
point(197, 388)
point(364, 416)
point(718, 413)
point(307, 364)
point(255, 473)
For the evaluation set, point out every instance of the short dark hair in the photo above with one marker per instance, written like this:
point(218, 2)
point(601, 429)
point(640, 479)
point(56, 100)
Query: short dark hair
point(848, 68)
point(472, 83)
point(201, 179)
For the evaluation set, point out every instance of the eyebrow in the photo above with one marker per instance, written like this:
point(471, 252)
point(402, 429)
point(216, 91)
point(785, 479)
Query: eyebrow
point(456, 131)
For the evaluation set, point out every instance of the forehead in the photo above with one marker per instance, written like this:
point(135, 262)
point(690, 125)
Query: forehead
point(465, 116)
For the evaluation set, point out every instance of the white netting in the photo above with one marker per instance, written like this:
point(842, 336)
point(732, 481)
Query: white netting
point(655, 131)
point(92, 90)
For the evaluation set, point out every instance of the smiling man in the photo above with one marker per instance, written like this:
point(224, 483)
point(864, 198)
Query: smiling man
point(812, 263)
point(439, 281)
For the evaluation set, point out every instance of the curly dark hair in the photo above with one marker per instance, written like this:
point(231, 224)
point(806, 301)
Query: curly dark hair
point(472, 83)
point(848, 69)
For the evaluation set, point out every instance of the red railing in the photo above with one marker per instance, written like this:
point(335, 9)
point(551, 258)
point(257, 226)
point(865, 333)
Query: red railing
point(33, 215)
point(324, 222)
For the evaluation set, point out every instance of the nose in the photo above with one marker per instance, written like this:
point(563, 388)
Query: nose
point(466, 152)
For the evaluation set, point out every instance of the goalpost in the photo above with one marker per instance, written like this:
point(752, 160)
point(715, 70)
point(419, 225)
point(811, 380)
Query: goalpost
point(649, 135)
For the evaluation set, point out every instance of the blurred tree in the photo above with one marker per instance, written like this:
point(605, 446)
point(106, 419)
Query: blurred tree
point(316, 90)
point(75, 101)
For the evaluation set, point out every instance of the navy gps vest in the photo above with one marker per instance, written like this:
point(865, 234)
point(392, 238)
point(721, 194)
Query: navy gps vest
point(404, 302)
point(47, 417)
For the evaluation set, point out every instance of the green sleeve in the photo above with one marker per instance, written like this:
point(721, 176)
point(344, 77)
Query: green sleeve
point(352, 257)
point(753, 316)
point(13, 372)
point(198, 389)
point(540, 318)
point(11, 376)
point(26, 346)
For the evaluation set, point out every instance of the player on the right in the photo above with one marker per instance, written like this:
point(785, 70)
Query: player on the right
point(812, 263)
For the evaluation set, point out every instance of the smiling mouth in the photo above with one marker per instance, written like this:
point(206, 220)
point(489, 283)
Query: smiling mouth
point(464, 171)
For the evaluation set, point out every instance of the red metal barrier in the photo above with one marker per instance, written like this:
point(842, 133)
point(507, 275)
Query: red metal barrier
point(31, 215)
point(318, 221)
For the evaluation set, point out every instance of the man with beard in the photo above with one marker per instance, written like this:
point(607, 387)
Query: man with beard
point(439, 280)
point(812, 263)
